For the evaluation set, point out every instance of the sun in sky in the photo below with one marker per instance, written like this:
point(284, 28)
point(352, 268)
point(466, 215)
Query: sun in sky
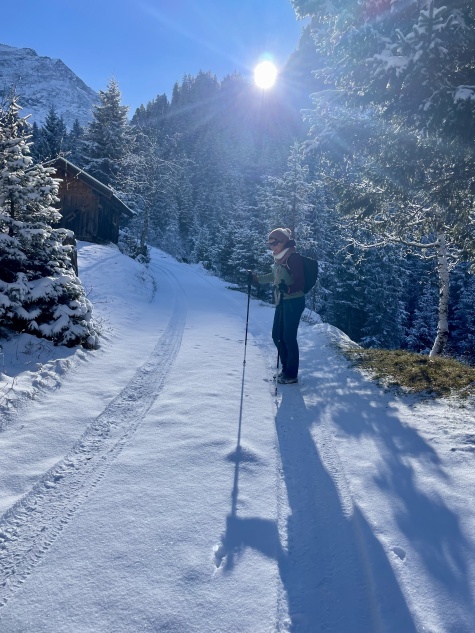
point(265, 74)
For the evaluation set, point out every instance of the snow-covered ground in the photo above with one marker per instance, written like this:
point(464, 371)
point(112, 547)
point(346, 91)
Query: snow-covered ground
point(157, 484)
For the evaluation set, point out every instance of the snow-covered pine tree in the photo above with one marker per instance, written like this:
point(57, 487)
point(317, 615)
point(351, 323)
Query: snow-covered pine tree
point(383, 299)
point(73, 145)
point(207, 233)
point(222, 249)
point(107, 137)
point(288, 199)
point(53, 135)
point(462, 338)
point(400, 113)
point(36, 149)
point(247, 249)
point(147, 182)
point(325, 238)
point(49, 141)
point(171, 239)
point(423, 327)
point(201, 252)
point(183, 198)
point(343, 304)
point(39, 290)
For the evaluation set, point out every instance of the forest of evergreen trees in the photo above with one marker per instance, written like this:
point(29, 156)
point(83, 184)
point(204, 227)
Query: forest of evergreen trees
point(375, 173)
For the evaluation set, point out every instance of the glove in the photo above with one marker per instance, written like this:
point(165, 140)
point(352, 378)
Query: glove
point(283, 287)
point(251, 276)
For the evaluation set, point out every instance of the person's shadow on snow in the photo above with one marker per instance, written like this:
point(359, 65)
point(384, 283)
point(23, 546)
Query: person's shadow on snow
point(334, 570)
point(336, 573)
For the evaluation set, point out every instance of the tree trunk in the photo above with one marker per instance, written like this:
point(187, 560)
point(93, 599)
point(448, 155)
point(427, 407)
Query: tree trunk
point(443, 320)
point(144, 231)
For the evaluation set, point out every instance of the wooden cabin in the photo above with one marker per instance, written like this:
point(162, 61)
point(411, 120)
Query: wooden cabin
point(89, 208)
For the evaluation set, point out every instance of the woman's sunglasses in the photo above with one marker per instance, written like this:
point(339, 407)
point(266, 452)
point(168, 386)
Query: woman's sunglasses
point(273, 242)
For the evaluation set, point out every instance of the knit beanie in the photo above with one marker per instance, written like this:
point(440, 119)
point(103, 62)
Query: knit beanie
point(282, 235)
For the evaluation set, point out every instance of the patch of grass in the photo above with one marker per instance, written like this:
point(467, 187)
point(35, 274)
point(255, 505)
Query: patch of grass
point(416, 373)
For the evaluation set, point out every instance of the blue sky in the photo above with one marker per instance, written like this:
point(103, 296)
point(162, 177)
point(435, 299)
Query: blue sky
point(148, 45)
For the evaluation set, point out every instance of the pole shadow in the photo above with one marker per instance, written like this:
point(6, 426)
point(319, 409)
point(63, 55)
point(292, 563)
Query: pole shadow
point(260, 534)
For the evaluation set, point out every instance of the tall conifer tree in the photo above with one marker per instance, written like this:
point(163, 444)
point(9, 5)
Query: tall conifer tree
point(107, 138)
point(53, 135)
point(39, 290)
point(74, 144)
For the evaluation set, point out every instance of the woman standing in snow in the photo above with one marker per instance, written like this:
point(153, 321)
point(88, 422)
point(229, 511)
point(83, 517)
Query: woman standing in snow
point(288, 278)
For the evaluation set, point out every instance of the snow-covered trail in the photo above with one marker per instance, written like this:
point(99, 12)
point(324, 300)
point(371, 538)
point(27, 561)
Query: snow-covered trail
point(164, 443)
point(151, 489)
point(32, 524)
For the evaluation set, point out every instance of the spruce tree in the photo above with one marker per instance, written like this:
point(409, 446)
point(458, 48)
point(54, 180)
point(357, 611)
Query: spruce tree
point(107, 137)
point(38, 151)
point(53, 135)
point(39, 290)
point(343, 304)
point(148, 182)
point(383, 294)
point(287, 199)
point(74, 144)
point(424, 320)
point(462, 339)
point(248, 249)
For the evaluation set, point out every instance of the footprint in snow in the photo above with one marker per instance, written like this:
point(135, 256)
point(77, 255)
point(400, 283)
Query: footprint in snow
point(400, 553)
point(219, 555)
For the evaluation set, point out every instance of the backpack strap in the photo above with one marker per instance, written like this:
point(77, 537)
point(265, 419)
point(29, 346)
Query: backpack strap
point(299, 279)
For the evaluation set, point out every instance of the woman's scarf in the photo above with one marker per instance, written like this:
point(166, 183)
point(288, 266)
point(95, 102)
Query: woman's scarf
point(284, 255)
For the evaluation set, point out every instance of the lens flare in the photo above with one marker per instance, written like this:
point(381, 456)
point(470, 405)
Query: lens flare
point(265, 75)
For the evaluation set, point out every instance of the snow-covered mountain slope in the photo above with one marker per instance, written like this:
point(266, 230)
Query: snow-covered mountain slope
point(42, 82)
point(157, 484)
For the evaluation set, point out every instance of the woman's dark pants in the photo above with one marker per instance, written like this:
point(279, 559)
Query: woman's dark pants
point(286, 321)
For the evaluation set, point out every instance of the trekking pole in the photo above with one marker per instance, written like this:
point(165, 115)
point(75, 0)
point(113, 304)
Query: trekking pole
point(249, 281)
point(281, 323)
point(238, 447)
point(227, 545)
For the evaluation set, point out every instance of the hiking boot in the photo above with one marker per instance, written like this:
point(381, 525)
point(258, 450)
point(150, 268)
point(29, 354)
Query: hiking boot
point(279, 375)
point(286, 380)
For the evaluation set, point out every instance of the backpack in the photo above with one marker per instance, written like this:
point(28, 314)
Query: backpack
point(310, 272)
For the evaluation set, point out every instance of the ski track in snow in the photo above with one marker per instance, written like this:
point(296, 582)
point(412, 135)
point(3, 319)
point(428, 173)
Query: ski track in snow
point(29, 528)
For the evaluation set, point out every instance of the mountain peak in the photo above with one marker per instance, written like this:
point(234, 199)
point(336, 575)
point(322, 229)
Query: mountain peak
point(42, 82)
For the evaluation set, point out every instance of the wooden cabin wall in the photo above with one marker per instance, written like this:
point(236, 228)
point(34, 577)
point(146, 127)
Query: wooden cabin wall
point(108, 222)
point(88, 214)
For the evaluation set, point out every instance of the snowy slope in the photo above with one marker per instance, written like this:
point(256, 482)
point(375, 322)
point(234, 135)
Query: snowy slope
point(158, 485)
point(42, 82)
